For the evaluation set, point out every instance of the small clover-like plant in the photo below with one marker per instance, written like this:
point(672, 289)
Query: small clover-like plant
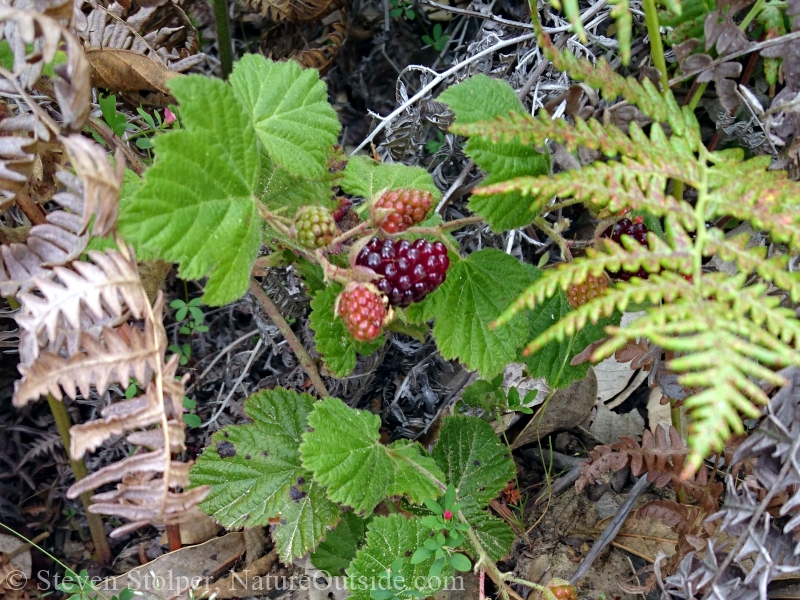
point(436, 39)
point(490, 396)
point(448, 534)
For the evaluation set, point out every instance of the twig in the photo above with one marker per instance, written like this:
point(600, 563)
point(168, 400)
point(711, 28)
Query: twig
point(789, 37)
point(79, 470)
point(219, 356)
point(274, 313)
point(436, 81)
point(611, 530)
point(110, 138)
point(236, 385)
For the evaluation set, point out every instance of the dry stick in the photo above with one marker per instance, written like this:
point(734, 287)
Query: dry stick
point(218, 357)
point(110, 138)
point(63, 423)
point(789, 37)
point(274, 313)
point(611, 530)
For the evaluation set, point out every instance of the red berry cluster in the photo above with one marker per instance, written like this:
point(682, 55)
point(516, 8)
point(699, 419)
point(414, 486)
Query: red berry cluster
point(638, 231)
point(592, 287)
point(408, 207)
point(411, 270)
point(363, 309)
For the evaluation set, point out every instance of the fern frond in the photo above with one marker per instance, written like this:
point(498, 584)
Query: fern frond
point(755, 259)
point(102, 285)
point(615, 259)
point(662, 108)
point(119, 355)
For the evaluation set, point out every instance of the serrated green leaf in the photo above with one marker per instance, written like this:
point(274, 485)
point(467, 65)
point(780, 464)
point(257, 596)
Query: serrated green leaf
point(390, 538)
point(305, 521)
point(477, 290)
point(333, 341)
point(477, 464)
point(481, 98)
point(281, 189)
point(553, 361)
point(290, 111)
point(365, 177)
point(339, 548)
point(343, 450)
point(196, 206)
point(494, 534)
point(255, 474)
point(414, 472)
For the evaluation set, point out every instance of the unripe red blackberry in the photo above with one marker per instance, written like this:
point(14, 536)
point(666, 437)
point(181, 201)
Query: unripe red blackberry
point(363, 309)
point(407, 208)
point(314, 226)
point(411, 270)
point(591, 288)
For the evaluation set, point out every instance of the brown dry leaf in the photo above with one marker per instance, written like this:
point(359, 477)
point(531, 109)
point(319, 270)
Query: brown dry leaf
point(566, 409)
point(128, 71)
point(19, 146)
point(176, 571)
point(642, 536)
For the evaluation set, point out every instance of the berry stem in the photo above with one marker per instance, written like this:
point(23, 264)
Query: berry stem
point(364, 227)
point(274, 313)
point(542, 224)
point(282, 224)
point(444, 227)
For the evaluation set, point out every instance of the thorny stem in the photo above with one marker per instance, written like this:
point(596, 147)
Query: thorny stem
point(223, 37)
point(542, 224)
point(656, 45)
point(63, 423)
point(274, 313)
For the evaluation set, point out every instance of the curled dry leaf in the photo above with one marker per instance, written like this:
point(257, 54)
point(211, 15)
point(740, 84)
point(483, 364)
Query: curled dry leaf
point(128, 71)
point(160, 31)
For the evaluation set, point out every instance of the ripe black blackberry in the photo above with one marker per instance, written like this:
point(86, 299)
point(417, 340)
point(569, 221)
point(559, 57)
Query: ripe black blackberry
point(638, 231)
point(411, 270)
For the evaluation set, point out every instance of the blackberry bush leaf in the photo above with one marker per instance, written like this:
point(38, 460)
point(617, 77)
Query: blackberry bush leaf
point(281, 188)
point(343, 450)
point(553, 360)
point(494, 534)
point(339, 548)
point(290, 111)
point(477, 464)
point(390, 538)
point(304, 520)
point(365, 177)
point(196, 206)
point(477, 290)
point(331, 337)
point(255, 474)
point(482, 98)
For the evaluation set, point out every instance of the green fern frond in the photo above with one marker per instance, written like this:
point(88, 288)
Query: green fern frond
point(603, 185)
point(662, 108)
point(755, 259)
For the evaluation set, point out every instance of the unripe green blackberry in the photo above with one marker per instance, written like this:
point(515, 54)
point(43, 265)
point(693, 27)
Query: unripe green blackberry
point(314, 226)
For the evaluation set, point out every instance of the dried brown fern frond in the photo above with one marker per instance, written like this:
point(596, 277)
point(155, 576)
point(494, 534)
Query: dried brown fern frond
point(162, 32)
point(86, 325)
point(64, 237)
point(304, 45)
point(34, 39)
point(293, 10)
point(662, 456)
point(18, 149)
